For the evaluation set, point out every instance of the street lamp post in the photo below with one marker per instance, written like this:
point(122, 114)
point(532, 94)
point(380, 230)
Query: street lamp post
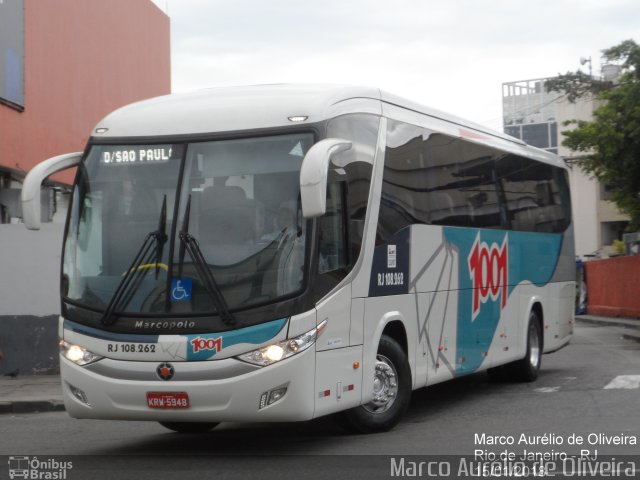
point(584, 60)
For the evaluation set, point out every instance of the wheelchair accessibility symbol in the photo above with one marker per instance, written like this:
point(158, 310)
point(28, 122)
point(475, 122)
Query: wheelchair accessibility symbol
point(181, 289)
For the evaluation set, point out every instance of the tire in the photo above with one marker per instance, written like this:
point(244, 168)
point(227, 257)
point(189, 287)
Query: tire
point(393, 385)
point(189, 427)
point(527, 368)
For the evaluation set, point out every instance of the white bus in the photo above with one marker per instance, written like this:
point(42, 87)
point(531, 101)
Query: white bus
point(280, 253)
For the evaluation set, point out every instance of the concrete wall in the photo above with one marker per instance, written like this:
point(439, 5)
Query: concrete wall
point(584, 195)
point(612, 286)
point(582, 109)
point(30, 297)
point(29, 344)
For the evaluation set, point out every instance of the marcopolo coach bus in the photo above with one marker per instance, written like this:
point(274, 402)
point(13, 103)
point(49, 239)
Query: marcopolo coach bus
point(280, 253)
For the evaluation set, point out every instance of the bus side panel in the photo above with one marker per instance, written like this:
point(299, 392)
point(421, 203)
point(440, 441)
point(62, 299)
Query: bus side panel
point(493, 265)
point(509, 339)
point(438, 314)
point(562, 302)
point(338, 383)
point(356, 333)
point(509, 342)
point(302, 323)
point(558, 316)
point(336, 309)
point(475, 289)
point(434, 276)
point(380, 312)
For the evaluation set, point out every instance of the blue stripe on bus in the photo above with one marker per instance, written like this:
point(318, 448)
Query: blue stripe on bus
point(255, 334)
point(112, 336)
point(206, 345)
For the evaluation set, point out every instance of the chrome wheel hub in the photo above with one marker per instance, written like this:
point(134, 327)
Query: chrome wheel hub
point(385, 386)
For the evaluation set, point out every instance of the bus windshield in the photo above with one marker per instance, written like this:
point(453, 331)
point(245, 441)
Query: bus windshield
point(239, 201)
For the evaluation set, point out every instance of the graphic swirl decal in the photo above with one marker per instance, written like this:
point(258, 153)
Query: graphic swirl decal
point(492, 263)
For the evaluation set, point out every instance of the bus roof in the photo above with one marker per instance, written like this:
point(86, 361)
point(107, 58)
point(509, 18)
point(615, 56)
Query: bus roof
point(227, 109)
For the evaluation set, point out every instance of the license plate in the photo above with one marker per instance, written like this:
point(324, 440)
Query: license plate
point(167, 400)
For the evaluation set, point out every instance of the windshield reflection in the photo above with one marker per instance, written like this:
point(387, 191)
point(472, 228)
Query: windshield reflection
point(244, 212)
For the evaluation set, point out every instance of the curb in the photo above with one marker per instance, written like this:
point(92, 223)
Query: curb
point(609, 321)
point(629, 335)
point(630, 328)
point(31, 406)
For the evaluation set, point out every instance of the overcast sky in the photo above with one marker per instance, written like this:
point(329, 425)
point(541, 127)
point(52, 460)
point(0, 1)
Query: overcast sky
point(452, 55)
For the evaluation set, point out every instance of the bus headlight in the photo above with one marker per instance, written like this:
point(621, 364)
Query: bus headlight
point(287, 348)
point(77, 354)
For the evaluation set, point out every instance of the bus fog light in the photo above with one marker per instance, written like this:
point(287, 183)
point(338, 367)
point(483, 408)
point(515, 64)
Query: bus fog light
point(276, 395)
point(263, 400)
point(271, 397)
point(77, 354)
point(274, 353)
point(79, 394)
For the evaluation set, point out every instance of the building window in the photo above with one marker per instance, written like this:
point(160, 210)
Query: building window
point(12, 53)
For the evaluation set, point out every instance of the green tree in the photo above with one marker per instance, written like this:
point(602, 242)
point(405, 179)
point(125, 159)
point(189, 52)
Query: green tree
point(611, 141)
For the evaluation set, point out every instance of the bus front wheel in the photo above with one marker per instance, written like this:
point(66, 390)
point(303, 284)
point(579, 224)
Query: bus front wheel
point(391, 392)
point(189, 427)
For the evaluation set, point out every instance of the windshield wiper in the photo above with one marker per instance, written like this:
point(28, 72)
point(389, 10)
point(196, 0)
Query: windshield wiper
point(188, 243)
point(132, 278)
point(162, 235)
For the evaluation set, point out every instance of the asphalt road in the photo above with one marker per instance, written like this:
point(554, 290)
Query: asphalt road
point(569, 400)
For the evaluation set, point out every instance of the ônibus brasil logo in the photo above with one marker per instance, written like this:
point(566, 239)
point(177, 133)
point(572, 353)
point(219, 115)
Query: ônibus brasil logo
point(489, 271)
point(200, 343)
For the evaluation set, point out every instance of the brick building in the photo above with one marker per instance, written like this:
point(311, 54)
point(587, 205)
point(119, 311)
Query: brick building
point(64, 64)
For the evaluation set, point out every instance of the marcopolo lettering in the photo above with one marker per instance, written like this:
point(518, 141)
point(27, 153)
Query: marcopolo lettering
point(165, 325)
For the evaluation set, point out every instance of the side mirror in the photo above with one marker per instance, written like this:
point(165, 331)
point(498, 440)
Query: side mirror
point(313, 175)
point(30, 195)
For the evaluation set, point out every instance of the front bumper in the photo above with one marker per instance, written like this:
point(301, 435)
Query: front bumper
point(119, 392)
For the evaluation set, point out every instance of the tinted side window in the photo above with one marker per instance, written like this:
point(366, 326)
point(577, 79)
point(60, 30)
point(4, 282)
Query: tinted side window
point(431, 178)
point(404, 198)
point(536, 195)
point(333, 232)
point(561, 182)
point(462, 183)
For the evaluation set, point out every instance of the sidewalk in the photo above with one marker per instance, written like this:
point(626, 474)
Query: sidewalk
point(30, 393)
point(42, 393)
point(630, 326)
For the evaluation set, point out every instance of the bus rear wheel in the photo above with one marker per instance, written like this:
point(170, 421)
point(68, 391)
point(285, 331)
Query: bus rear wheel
point(189, 427)
point(391, 392)
point(527, 368)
